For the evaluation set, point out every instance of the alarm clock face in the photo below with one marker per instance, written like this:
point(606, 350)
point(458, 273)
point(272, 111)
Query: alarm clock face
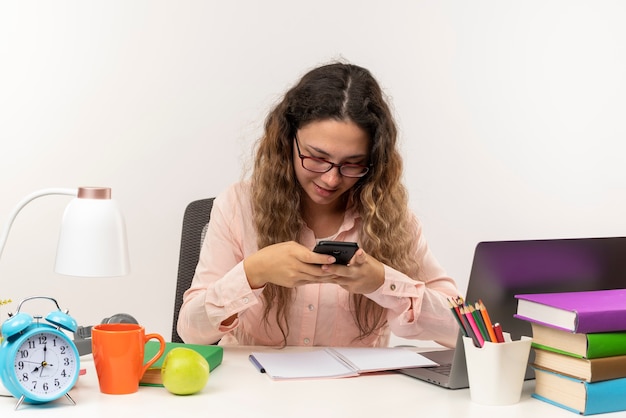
point(45, 365)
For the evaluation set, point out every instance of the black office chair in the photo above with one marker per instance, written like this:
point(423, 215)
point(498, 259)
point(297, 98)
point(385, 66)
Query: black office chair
point(195, 221)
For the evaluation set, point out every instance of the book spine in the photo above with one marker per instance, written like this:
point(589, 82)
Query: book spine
point(604, 321)
point(605, 368)
point(606, 344)
point(607, 396)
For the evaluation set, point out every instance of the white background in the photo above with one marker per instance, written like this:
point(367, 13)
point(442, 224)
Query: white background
point(511, 118)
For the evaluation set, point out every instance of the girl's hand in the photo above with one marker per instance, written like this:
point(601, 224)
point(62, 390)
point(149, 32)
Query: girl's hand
point(287, 264)
point(364, 274)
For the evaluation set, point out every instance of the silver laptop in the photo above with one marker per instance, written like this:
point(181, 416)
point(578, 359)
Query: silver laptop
point(502, 269)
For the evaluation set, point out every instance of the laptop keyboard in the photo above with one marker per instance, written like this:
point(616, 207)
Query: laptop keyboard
point(443, 369)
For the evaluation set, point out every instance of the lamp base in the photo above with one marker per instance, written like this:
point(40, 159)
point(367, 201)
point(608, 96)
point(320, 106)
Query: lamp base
point(82, 340)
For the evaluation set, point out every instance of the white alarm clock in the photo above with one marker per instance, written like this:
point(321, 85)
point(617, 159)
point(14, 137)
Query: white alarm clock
point(38, 361)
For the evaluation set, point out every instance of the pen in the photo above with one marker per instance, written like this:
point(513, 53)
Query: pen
point(256, 363)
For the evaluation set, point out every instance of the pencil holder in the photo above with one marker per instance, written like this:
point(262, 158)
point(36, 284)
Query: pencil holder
point(496, 370)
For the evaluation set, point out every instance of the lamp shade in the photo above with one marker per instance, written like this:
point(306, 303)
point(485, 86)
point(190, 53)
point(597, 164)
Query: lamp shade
point(92, 241)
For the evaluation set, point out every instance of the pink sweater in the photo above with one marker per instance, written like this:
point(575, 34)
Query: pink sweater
point(416, 305)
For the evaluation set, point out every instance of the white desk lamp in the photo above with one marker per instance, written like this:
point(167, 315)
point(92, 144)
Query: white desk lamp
point(92, 241)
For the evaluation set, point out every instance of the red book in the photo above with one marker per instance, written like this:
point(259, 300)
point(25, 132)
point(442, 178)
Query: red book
point(579, 312)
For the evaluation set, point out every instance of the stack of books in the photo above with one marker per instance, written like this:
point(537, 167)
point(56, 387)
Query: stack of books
point(579, 342)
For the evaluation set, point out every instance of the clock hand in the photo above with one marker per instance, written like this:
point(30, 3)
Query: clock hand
point(43, 363)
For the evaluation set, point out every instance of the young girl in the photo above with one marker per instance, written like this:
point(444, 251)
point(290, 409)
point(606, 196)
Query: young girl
point(326, 168)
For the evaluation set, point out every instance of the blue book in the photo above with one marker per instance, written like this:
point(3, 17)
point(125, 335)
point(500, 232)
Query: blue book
point(579, 396)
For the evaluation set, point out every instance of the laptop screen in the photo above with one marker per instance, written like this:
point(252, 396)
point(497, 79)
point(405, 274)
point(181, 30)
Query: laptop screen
point(502, 269)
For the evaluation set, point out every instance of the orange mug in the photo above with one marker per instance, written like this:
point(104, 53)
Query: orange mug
point(118, 354)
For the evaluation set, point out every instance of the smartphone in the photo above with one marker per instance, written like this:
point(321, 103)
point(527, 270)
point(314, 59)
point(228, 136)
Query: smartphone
point(342, 251)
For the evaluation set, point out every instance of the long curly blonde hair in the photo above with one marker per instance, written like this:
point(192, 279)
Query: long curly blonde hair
point(342, 92)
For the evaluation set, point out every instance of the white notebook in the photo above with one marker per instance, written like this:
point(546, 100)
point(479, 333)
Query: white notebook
point(336, 362)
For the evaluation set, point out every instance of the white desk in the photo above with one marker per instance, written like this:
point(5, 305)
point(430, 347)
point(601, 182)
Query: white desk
point(237, 389)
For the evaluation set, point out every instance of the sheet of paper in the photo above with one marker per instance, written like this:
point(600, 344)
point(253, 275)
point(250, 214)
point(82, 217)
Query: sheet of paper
point(302, 365)
point(376, 359)
point(337, 362)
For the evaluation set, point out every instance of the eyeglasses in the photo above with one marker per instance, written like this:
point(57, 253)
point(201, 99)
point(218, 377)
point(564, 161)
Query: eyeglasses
point(320, 165)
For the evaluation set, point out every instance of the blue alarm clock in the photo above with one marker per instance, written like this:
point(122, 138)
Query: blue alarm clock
point(38, 361)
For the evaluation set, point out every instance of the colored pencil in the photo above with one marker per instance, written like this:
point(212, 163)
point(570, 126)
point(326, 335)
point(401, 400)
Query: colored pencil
point(457, 316)
point(475, 322)
point(488, 324)
point(470, 319)
point(479, 323)
point(465, 325)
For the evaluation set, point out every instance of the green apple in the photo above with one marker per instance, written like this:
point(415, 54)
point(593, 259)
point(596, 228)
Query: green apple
point(184, 371)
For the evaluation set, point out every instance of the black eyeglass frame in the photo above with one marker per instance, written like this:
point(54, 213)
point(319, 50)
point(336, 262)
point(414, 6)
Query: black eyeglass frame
point(331, 165)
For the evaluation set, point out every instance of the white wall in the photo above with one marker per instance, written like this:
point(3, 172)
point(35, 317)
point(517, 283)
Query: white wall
point(511, 117)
